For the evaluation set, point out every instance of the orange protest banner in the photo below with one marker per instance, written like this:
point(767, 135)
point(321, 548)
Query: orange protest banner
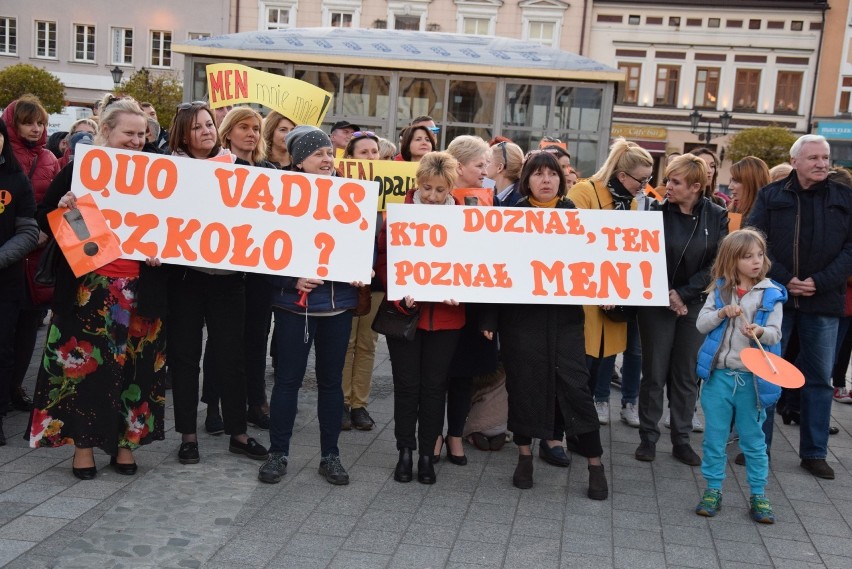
point(735, 221)
point(83, 236)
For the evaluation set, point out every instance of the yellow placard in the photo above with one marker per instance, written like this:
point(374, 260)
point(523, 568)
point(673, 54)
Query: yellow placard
point(395, 177)
point(299, 101)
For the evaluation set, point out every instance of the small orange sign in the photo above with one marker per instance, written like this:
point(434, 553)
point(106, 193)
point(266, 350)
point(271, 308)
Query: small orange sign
point(83, 236)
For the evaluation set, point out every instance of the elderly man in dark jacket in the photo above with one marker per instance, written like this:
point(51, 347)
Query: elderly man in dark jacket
point(806, 218)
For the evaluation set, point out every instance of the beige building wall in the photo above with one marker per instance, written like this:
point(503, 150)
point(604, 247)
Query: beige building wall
point(42, 24)
point(835, 66)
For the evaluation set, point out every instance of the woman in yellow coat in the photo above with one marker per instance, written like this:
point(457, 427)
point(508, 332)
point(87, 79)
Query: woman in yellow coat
point(625, 174)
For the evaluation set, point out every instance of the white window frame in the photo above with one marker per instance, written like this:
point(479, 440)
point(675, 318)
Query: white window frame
point(117, 58)
point(480, 10)
point(162, 51)
point(418, 8)
point(263, 10)
point(4, 47)
point(36, 45)
point(352, 7)
point(74, 57)
point(544, 11)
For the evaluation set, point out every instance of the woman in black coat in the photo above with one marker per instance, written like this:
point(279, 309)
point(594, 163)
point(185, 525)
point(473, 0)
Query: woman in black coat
point(18, 236)
point(693, 227)
point(543, 351)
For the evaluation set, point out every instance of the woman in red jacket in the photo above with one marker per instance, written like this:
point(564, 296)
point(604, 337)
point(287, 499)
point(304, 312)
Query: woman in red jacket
point(420, 366)
point(26, 121)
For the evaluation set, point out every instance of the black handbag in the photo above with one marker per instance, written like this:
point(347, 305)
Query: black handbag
point(619, 313)
point(394, 324)
point(45, 272)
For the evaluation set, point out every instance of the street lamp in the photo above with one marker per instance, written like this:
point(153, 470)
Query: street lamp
point(116, 73)
point(695, 119)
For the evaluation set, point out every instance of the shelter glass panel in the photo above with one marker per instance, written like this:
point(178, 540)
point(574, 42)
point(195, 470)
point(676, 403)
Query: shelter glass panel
point(330, 81)
point(527, 105)
point(365, 95)
point(472, 102)
point(577, 108)
point(420, 96)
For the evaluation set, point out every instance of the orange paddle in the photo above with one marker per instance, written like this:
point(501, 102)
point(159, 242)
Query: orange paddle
point(770, 367)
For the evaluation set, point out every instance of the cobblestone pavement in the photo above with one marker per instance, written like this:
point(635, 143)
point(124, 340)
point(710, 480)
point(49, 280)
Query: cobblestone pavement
point(217, 515)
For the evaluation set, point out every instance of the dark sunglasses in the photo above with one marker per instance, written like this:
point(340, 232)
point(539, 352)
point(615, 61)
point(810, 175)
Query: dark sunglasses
point(185, 106)
point(363, 133)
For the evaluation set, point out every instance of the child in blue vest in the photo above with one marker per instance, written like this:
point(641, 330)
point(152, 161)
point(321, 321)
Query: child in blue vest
point(741, 301)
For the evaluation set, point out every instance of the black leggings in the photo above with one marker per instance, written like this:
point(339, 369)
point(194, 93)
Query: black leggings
point(458, 404)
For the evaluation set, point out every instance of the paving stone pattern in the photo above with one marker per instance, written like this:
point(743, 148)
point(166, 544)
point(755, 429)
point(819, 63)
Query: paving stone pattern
point(217, 515)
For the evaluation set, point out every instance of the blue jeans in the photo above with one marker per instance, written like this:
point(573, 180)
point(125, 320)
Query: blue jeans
point(730, 395)
point(631, 369)
point(330, 334)
point(600, 375)
point(815, 360)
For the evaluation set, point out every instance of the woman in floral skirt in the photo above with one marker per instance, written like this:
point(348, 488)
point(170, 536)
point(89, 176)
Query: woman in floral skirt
point(100, 383)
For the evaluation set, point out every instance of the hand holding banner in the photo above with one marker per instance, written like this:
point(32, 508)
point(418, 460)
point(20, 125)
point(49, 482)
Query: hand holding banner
point(526, 255)
point(299, 101)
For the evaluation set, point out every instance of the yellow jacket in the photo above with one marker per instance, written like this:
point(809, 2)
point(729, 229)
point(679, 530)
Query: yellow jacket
point(599, 329)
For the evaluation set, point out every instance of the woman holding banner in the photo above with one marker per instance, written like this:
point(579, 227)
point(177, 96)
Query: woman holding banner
point(542, 350)
point(275, 129)
point(215, 297)
point(309, 311)
point(101, 381)
point(693, 227)
point(624, 175)
point(420, 365)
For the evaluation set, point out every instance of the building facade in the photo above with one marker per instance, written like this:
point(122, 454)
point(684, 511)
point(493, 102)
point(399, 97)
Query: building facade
point(750, 62)
point(833, 103)
point(81, 41)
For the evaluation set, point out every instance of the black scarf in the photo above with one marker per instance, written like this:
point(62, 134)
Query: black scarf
point(621, 197)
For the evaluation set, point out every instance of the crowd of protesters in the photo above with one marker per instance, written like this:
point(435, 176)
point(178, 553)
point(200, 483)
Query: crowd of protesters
point(120, 335)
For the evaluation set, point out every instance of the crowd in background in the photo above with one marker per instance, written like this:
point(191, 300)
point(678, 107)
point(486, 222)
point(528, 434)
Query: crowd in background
point(121, 335)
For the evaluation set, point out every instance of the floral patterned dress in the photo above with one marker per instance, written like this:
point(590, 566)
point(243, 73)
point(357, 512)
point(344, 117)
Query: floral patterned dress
point(101, 381)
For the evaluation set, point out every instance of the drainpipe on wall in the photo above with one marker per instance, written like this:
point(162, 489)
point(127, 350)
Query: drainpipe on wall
point(582, 28)
point(810, 125)
point(237, 18)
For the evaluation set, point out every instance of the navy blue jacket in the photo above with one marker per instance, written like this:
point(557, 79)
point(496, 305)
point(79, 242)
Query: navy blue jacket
point(827, 258)
point(328, 297)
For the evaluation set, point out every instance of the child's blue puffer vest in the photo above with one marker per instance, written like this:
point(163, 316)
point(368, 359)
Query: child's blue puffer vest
point(767, 393)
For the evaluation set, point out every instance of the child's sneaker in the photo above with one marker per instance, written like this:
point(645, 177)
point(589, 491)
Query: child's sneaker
point(842, 395)
point(710, 504)
point(761, 509)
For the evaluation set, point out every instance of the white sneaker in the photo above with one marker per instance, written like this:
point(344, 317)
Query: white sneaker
point(667, 422)
point(697, 425)
point(842, 395)
point(602, 407)
point(630, 415)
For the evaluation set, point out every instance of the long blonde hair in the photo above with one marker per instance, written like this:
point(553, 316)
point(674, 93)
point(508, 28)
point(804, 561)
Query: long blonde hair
point(232, 119)
point(624, 156)
point(733, 248)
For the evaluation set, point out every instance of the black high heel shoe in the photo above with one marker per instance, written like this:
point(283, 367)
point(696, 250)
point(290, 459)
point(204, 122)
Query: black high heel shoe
point(121, 468)
point(459, 460)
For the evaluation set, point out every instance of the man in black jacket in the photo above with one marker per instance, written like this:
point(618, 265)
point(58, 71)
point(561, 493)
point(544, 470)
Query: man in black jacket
point(806, 218)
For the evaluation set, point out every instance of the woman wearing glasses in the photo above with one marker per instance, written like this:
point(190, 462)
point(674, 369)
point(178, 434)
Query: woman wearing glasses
point(215, 297)
point(504, 167)
point(624, 175)
point(361, 351)
point(101, 380)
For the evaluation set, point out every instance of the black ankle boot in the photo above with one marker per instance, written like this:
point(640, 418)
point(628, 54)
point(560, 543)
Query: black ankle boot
point(523, 477)
point(402, 472)
point(425, 470)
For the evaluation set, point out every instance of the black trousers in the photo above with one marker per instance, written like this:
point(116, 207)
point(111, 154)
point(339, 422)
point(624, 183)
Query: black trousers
point(458, 404)
point(9, 310)
point(258, 321)
point(26, 332)
point(196, 298)
point(420, 386)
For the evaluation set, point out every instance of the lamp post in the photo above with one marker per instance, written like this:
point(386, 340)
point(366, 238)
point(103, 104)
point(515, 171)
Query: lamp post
point(116, 73)
point(695, 119)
